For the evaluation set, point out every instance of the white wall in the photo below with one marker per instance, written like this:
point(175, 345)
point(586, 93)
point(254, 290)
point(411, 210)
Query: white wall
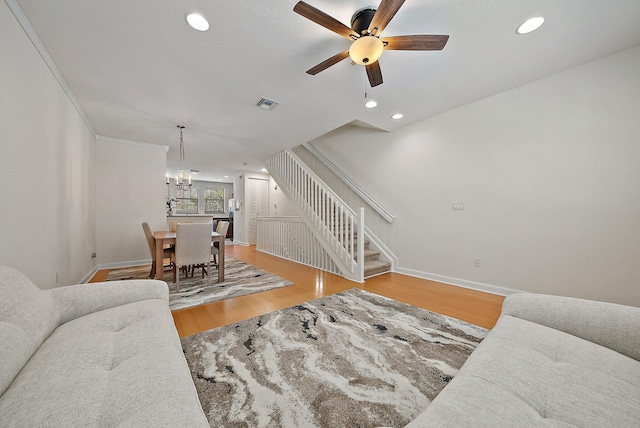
point(279, 204)
point(131, 189)
point(241, 221)
point(549, 173)
point(46, 168)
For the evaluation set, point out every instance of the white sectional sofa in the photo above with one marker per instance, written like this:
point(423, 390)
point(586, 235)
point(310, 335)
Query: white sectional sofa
point(95, 355)
point(549, 362)
point(108, 354)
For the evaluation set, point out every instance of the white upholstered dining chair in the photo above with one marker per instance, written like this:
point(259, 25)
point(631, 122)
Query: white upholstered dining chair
point(166, 252)
point(193, 247)
point(222, 228)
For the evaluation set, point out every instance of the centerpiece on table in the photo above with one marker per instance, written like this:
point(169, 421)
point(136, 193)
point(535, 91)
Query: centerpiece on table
point(170, 207)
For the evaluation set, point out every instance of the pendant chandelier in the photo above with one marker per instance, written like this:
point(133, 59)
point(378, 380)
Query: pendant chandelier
point(180, 184)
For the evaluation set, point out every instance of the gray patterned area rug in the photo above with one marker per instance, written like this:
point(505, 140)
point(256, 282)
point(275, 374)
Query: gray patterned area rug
point(352, 359)
point(240, 278)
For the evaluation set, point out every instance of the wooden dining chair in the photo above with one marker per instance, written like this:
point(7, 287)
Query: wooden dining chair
point(166, 252)
point(222, 228)
point(193, 248)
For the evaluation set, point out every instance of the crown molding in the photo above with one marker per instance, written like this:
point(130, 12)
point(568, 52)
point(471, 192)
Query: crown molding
point(37, 43)
point(132, 143)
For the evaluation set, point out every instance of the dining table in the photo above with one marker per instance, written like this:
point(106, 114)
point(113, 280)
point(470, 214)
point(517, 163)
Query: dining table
point(165, 237)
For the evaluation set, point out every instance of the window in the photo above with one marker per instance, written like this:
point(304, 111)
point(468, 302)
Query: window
point(187, 201)
point(214, 200)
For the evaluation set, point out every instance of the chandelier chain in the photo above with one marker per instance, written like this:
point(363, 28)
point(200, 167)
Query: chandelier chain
point(180, 184)
point(181, 145)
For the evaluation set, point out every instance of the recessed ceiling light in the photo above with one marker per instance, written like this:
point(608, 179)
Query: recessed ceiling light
point(397, 116)
point(370, 104)
point(197, 21)
point(531, 24)
point(226, 176)
point(264, 170)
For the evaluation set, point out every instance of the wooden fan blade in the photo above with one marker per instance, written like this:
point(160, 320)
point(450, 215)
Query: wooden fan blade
point(385, 12)
point(415, 43)
point(321, 18)
point(328, 63)
point(374, 73)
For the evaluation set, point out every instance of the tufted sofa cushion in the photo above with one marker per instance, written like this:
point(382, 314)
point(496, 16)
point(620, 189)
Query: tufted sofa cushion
point(114, 367)
point(529, 375)
point(27, 317)
point(98, 355)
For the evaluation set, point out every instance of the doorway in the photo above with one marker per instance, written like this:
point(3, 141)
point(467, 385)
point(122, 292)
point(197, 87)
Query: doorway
point(258, 193)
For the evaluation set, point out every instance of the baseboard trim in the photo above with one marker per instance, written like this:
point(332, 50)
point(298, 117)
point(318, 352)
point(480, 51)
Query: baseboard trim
point(115, 265)
point(479, 286)
point(88, 276)
point(244, 244)
point(123, 264)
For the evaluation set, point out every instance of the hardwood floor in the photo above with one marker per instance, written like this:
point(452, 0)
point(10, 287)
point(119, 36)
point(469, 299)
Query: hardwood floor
point(473, 306)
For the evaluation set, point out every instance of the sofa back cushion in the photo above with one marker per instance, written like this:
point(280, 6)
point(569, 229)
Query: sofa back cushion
point(611, 325)
point(28, 315)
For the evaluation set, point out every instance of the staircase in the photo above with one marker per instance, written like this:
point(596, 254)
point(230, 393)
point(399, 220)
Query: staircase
point(337, 230)
point(372, 263)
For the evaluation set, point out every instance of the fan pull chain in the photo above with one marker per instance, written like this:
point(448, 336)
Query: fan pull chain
point(364, 79)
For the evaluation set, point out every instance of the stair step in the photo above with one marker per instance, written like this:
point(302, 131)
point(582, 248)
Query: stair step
point(370, 255)
point(375, 267)
point(366, 244)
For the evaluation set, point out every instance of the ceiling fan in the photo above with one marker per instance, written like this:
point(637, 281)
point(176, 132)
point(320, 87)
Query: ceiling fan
point(366, 26)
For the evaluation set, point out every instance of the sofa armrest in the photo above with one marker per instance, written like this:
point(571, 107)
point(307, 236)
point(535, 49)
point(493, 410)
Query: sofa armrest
point(614, 326)
point(78, 300)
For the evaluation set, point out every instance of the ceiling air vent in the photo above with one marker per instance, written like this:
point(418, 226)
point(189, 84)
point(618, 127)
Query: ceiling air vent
point(267, 104)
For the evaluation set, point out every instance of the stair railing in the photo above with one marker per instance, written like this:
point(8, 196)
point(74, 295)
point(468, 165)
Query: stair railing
point(338, 228)
point(292, 239)
point(375, 205)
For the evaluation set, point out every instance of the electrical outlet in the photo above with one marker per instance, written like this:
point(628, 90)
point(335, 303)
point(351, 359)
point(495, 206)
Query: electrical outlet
point(457, 206)
point(476, 262)
point(57, 277)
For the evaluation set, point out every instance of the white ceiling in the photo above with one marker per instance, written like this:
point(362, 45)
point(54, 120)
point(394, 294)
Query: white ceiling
point(138, 70)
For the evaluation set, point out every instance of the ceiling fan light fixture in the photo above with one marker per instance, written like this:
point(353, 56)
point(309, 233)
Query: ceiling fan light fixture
point(366, 50)
point(530, 25)
point(197, 21)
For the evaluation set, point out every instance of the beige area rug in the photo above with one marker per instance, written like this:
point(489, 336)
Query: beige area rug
point(352, 359)
point(240, 278)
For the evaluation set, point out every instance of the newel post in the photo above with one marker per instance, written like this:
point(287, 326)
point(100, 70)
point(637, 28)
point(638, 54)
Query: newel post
point(360, 241)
